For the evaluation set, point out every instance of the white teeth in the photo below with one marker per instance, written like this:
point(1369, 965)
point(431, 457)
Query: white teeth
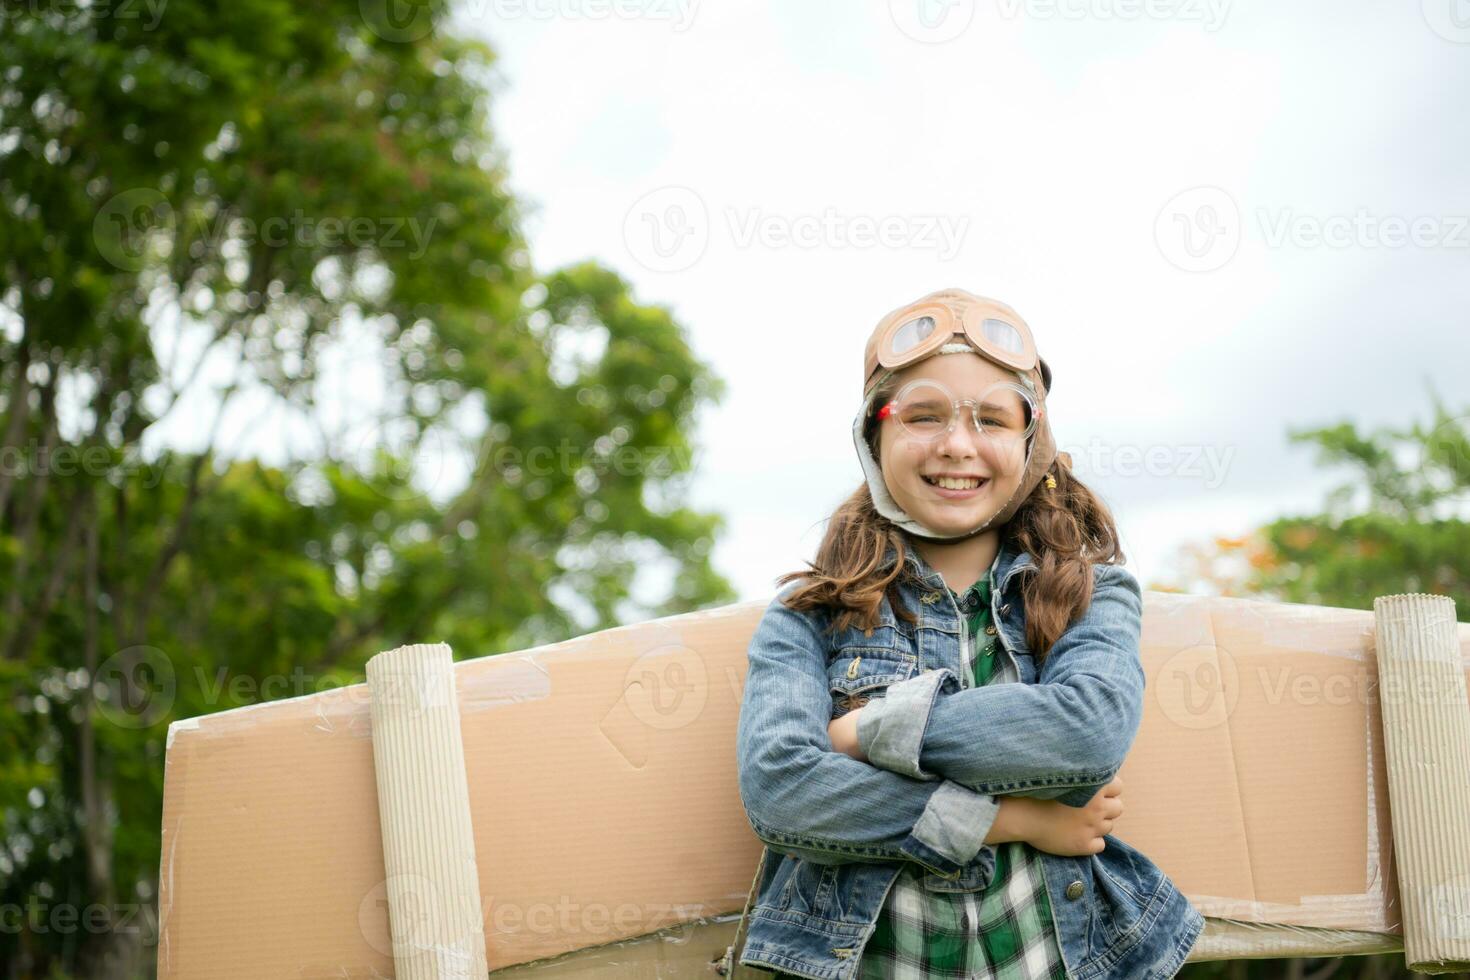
point(949, 483)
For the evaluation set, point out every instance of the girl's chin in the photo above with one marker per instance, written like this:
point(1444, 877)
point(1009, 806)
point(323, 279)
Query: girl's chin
point(954, 523)
point(958, 517)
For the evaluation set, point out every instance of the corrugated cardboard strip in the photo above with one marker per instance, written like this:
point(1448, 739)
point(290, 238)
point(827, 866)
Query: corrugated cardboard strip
point(432, 883)
point(1426, 730)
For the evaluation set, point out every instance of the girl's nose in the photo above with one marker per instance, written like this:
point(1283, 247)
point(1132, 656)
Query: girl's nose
point(962, 439)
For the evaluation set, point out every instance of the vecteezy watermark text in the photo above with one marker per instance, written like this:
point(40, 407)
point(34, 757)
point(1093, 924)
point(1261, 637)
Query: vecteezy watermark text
point(148, 13)
point(669, 228)
point(1200, 229)
point(1210, 14)
point(1363, 229)
point(126, 225)
point(1207, 463)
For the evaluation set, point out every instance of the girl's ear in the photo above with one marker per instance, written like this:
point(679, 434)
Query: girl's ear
point(1065, 458)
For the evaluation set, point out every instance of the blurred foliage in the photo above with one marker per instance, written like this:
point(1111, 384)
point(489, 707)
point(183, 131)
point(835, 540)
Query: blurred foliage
point(1399, 523)
point(267, 185)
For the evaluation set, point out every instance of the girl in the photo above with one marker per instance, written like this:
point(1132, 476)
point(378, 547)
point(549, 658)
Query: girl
point(934, 717)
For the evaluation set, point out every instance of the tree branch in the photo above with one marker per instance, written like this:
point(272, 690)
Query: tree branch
point(36, 502)
point(144, 601)
point(27, 630)
point(18, 411)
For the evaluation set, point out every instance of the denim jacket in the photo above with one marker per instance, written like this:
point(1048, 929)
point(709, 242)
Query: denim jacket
point(837, 830)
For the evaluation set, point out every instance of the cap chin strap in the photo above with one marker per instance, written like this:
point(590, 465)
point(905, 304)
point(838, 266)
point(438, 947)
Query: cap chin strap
point(1041, 453)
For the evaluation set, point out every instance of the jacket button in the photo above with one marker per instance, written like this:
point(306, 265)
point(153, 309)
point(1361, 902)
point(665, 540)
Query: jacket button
point(990, 629)
point(1074, 890)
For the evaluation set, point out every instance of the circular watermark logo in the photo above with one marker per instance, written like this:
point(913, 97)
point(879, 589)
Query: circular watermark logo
point(932, 21)
point(135, 687)
point(667, 688)
point(1199, 229)
point(1445, 458)
point(667, 229)
point(410, 915)
point(1450, 19)
point(399, 21)
point(1197, 687)
point(129, 223)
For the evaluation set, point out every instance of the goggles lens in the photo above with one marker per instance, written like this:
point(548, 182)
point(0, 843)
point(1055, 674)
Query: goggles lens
point(1003, 335)
point(912, 333)
point(1004, 415)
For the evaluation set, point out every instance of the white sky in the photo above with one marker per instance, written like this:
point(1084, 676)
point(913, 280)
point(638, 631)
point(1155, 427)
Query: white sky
point(1057, 142)
point(1220, 221)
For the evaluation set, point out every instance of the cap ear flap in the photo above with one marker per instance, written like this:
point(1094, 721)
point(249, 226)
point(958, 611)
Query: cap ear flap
point(1045, 373)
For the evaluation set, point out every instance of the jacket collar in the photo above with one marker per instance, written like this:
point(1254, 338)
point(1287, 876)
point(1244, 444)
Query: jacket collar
point(1008, 561)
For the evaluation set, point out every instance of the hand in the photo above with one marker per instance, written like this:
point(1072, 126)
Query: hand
point(843, 733)
point(1073, 831)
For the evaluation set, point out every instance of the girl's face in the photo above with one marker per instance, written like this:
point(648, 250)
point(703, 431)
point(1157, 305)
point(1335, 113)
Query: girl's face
point(911, 465)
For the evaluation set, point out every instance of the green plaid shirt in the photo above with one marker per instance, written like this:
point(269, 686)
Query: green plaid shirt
point(1004, 931)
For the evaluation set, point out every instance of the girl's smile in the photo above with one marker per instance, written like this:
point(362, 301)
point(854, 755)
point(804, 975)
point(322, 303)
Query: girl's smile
point(956, 485)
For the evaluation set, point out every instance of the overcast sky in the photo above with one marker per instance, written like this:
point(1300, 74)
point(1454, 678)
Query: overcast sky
point(1220, 220)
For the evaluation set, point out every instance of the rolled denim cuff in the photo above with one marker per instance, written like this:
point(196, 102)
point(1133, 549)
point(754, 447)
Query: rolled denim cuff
point(952, 829)
point(890, 729)
point(1078, 797)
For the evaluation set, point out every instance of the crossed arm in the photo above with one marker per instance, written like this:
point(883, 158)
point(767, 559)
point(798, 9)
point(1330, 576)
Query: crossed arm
point(803, 798)
point(1061, 738)
point(937, 761)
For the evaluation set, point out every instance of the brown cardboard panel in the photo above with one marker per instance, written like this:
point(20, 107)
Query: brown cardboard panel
point(611, 809)
point(1250, 780)
point(270, 827)
point(603, 787)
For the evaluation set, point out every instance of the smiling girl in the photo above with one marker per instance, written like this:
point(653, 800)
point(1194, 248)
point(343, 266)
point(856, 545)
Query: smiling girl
point(935, 714)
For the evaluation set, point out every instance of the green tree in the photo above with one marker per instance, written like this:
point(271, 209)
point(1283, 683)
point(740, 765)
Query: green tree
point(274, 183)
point(1399, 524)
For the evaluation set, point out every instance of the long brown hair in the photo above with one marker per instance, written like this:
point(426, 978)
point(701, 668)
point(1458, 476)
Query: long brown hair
point(1066, 530)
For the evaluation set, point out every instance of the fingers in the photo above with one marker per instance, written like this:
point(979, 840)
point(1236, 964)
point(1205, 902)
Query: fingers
point(1113, 788)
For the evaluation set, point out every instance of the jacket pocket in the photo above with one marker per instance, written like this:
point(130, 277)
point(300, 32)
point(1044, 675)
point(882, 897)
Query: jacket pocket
point(1123, 883)
point(809, 888)
point(857, 676)
point(862, 663)
point(974, 876)
point(846, 892)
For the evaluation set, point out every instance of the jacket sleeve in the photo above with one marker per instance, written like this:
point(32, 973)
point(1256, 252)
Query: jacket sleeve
point(1061, 738)
point(803, 797)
